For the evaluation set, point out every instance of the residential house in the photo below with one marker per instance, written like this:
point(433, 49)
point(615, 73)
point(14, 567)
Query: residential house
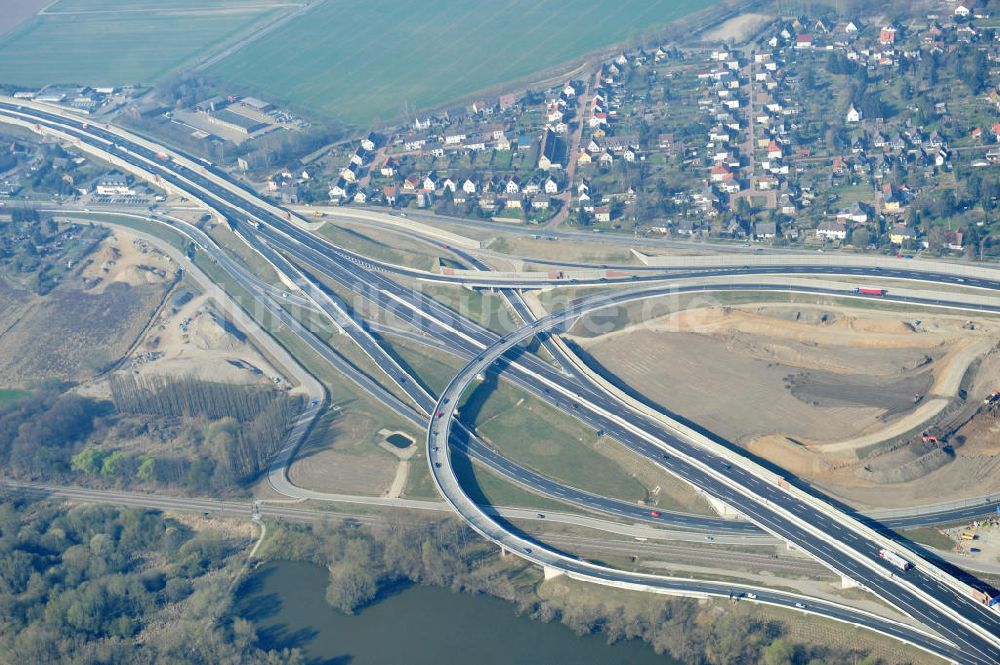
point(832, 229)
point(857, 213)
point(483, 108)
point(553, 153)
point(602, 213)
point(476, 144)
point(598, 119)
point(721, 173)
point(891, 200)
point(389, 192)
point(350, 172)
point(901, 234)
point(388, 168)
point(765, 230)
point(339, 190)
point(412, 183)
point(953, 240)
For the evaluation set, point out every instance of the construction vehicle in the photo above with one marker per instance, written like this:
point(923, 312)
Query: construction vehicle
point(992, 398)
point(929, 438)
point(870, 291)
point(969, 535)
point(894, 559)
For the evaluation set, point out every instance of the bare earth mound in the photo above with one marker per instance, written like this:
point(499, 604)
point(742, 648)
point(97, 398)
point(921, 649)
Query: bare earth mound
point(91, 319)
point(832, 394)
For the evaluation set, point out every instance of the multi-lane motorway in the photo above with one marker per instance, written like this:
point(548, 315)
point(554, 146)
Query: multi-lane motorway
point(926, 593)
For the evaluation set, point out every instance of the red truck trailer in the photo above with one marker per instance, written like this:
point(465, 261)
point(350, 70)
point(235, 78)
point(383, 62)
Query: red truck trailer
point(870, 291)
point(894, 559)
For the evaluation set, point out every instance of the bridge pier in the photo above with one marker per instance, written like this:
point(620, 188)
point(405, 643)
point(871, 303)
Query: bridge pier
point(551, 573)
point(723, 509)
point(847, 583)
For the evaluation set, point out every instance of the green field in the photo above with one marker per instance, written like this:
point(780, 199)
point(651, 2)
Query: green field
point(363, 60)
point(101, 42)
point(8, 395)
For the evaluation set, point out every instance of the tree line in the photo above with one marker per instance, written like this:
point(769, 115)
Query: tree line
point(175, 397)
point(118, 586)
point(246, 424)
point(230, 433)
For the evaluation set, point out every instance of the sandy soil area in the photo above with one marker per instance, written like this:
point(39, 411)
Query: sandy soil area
point(985, 546)
point(739, 28)
point(125, 259)
point(194, 336)
point(786, 380)
point(191, 334)
point(196, 339)
point(92, 318)
point(814, 373)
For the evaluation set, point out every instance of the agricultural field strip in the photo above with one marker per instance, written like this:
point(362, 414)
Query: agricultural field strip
point(85, 47)
point(427, 55)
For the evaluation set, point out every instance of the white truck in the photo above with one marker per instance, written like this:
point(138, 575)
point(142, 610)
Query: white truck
point(894, 559)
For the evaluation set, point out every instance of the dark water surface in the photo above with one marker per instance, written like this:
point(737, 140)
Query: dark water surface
point(414, 625)
point(399, 440)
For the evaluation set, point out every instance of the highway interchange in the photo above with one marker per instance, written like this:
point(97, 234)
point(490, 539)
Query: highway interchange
point(836, 539)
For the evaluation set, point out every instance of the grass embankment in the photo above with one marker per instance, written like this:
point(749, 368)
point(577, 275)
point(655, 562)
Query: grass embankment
point(535, 434)
point(928, 535)
point(382, 246)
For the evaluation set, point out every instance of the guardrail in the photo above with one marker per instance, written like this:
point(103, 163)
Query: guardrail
point(839, 259)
